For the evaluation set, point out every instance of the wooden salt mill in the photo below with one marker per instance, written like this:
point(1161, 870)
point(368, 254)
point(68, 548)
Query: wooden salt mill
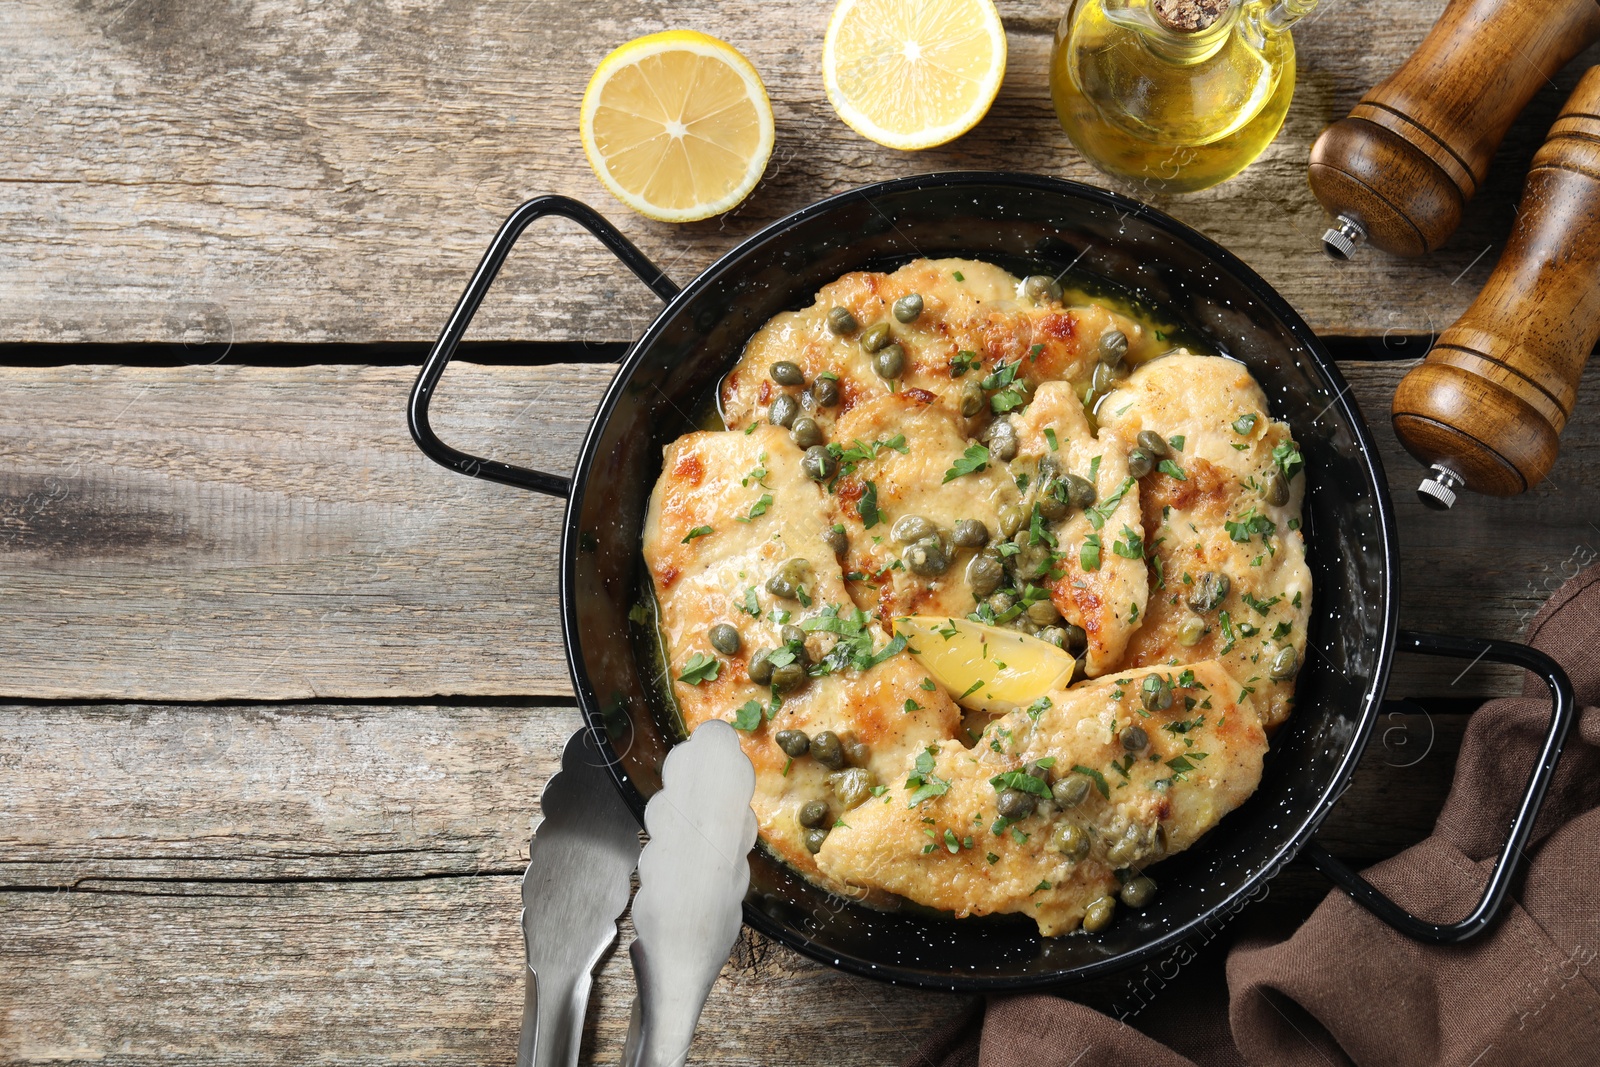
point(1487, 404)
point(1399, 170)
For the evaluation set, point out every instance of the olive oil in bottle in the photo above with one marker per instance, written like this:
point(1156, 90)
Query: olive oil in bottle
point(1174, 95)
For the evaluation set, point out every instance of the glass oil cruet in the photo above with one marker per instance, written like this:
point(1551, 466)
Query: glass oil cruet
point(1174, 95)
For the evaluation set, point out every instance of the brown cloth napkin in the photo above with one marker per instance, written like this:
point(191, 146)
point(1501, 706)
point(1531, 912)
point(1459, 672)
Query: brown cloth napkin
point(1346, 989)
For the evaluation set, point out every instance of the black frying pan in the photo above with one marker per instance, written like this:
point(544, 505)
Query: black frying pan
point(1029, 225)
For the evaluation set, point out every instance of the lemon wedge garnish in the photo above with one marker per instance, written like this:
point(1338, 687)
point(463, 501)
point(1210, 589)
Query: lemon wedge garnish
point(913, 73)
point(985, 667)
point(677, 125)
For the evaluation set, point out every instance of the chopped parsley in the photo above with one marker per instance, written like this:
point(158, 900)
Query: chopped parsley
point(1261, 606)
point(963, 362)
point(700, 668)
point(1050, 439)
point(1244, 424)
point(1227, 631)
point(1098, 514)
point(1021, 781)
point(749, 715)
point(757, 474)
point(958, 276)
point(1248, 524)
point(1038, 708)
point(1177, 441)
point(1287, 457)
point(927, 684)
point(973, 460)
point(1089, 554)
point(1171, 470)
point(867, 507)
point(1095, 776)
point(854, 647)
point(1130, 545)
point(751, 606)
point(912, 705)
point(927, 784)
point(758, 509)
point(698, 531)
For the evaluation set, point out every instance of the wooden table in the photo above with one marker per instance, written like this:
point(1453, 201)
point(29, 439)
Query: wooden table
point(280, 694)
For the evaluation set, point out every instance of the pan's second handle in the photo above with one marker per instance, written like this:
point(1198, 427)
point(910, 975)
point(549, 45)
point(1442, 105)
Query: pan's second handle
point(445, 348)
point(1401, 167)
point(1490, 400)
point(1563, 713)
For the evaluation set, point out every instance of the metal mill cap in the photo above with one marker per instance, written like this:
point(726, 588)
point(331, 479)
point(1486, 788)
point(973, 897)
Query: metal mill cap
point(1342, 239)
point(1438, 489)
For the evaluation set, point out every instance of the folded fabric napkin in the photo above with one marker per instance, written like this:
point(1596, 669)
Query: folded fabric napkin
point(1345, 988)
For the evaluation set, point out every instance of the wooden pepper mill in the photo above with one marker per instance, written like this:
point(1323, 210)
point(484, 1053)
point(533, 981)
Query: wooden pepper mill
point(1399, 170)
point(1487, 404)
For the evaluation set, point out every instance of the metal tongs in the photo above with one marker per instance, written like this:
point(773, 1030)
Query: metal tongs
point(692, 879)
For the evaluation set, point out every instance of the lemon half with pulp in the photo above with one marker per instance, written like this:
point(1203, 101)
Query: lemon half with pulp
point(677, 125)
point(913, 73)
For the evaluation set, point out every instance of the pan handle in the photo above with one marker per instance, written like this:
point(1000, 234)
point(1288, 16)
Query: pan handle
point(445, 348)
point(1512, 858)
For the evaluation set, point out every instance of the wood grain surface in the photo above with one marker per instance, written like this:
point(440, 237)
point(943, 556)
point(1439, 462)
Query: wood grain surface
point(340, 883)
point(226, 533)
point(277, 170)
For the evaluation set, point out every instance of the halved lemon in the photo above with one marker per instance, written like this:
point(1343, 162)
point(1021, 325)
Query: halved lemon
point(985, 667)
point(677, 125)
point(913, 73)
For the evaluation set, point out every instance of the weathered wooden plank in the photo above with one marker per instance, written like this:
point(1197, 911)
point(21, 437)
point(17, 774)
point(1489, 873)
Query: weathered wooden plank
point(227, 532)
point(374, 972)
point(269, 792)
point(273, 172)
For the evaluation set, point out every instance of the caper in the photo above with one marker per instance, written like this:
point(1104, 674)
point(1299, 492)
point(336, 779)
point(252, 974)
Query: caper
point(724, 638)
point(814, 813)
point(875, 337)
point(825, 392)
point(853, 787)
point(1077, 640)
point(1275, 490)
point(1071, 791)
point(1138, 892)
point(1100, 382)
point(818, 463)
point(784, 410)
point(841, 322)
point(1071, 840)
point(1209, 591)
point(972, 400)
point(970, 533)
point(909, 528)
point(1002, 438)
point(1014, 804)
point(927, 557)
point(760, 668)
point(1049, 468)
point(908, 307)
point(1010, 520)
point(1099, 914)
point(789, 676)
point(1153, 443)
point(835, 537)
point(1134, 739)
point(1052, 499)
point(814, 840)
point(1041, 287)
point(806, 432)
point(1037, 770)
point(1080, 491)
point(794, 637)
point(889, 362)
point(826, 750)
point(791, 579)
point(1155, 692)
point(984, 575)
point(1043, 613)
point(1140, 463)
point(785, 372)
point(1284, 664)
point(1124, 851)
point(1191, 630)
point(795, 743)
point(1000, 603)
point(1054, 635)
point(1031, 561)
point(856, 752)
point(1113, 348)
